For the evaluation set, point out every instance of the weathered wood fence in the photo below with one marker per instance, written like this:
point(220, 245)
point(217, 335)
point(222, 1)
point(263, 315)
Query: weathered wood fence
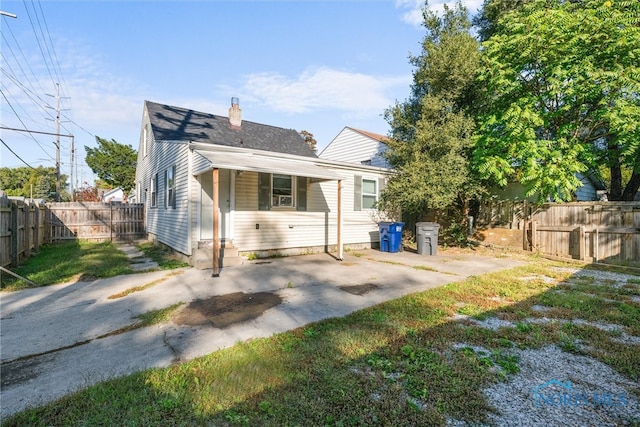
point(24, 226)
point(22, 230)
point(589, 231)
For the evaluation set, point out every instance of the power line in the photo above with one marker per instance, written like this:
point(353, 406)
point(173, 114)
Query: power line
point(30, 132)
point(26, 8)
point(14, 153)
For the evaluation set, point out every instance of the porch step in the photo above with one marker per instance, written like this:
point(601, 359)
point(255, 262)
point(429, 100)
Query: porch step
point(203, 257)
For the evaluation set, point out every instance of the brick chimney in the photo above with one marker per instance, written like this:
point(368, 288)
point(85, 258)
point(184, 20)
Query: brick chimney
point(235, 114)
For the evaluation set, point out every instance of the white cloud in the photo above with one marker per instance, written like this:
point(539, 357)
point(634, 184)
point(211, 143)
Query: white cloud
point(323, 88)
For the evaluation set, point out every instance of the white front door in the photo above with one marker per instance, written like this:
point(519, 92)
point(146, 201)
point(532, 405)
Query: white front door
point(206, 205)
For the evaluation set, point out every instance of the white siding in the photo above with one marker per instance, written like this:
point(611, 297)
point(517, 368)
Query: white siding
point(169, 225)
point(353, 147)
point(587, 192)
point(283, 229)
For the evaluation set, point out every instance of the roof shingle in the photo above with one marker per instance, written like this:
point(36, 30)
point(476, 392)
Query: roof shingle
point(170, 123)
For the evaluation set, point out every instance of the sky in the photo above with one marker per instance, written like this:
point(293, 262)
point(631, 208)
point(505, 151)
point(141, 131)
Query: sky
point(315, 65)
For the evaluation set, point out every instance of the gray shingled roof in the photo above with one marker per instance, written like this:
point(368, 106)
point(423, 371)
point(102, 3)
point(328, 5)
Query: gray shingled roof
point(180, 124)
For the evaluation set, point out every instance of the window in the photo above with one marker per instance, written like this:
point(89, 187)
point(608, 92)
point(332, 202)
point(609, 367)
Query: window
point(145, 142)
point(170, 188)
point(154, 191)
point(365, 192)
point(282, 191)
point(369, 193)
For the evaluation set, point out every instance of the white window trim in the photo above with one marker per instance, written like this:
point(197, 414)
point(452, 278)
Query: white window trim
point(169, 191)
point(145, 143)
point(293, 193)
point(363, 194)
point(154, 191)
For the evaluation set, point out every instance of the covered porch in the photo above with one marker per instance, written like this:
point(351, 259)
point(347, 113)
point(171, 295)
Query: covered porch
point(276, 184)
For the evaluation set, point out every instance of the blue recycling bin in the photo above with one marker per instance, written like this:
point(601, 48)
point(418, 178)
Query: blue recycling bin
point(390, 236)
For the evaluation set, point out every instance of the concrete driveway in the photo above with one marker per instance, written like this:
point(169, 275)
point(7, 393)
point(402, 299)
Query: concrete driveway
point(58, 339)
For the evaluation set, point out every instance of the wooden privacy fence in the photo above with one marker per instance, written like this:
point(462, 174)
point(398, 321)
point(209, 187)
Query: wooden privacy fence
point(590, 231)
point(95, 221)
point(22, 230)
point(24, 226)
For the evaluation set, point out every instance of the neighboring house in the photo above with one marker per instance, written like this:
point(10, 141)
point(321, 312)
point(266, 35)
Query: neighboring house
point(592, 189)
point(113, 196)
point(357, 146)
point(261, 187)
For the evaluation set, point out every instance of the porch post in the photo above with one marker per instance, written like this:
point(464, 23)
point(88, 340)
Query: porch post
point(216, 224)
point(339, 224)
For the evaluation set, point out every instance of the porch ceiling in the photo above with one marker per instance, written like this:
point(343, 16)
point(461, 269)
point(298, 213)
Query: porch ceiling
point(258, 163)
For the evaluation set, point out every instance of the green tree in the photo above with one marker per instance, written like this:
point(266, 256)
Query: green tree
point(491, 12)
point(562, 82)
point(114, 163)
point(431, 132)
point(38, 182)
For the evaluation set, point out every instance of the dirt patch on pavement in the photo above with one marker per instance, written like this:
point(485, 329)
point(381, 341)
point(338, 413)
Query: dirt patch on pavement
point(223, 311)
point(359, 289)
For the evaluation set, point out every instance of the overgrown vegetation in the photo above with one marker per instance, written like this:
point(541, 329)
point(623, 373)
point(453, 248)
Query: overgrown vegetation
point(509, 103)
point(404, 362)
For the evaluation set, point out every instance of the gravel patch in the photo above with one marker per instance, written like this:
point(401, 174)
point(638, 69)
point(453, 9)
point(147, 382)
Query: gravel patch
point(541, 308)
point(555, 388)
point(620, 279)
point(493, 323)
point(545, 279)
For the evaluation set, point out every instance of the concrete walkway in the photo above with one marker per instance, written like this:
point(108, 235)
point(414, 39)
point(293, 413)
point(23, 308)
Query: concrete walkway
point(139, 262)
point(55, 339)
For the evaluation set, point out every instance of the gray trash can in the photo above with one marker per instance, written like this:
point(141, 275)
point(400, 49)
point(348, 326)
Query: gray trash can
point(427, 237)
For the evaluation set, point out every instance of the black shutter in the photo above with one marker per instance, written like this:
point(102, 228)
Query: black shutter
point(264, 191)
point(301, 193)
point(357, 193)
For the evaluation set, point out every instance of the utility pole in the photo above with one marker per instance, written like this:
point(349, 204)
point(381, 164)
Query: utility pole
point(57, 142)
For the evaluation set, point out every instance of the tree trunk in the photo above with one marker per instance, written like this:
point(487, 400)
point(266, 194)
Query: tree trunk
point(615, 192)
point(632, 187)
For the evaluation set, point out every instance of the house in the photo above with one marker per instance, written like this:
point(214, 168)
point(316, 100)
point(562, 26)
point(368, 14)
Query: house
point(115, 195)
point(212, 182)
point(357, 146)
point(592, 189)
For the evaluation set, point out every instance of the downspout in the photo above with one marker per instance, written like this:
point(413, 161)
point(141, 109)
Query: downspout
point(190, 200)
point(216, 224)
point(339, 222)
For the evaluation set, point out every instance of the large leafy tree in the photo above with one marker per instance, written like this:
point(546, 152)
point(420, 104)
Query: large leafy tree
point(562, 82)
point(430, 138)
point(114, 163)
point(491, 12)
point(25, 181)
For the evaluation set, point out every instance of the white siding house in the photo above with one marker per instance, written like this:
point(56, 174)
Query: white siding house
point(274, 194)
point(592, 189)
point(357, 146)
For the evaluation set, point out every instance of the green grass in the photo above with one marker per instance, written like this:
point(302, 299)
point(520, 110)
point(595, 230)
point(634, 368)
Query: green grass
point(149, 318)
point(140, 288)
point(392, 364)
point(161, 255)
point(67, 261)
point(81, 260)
